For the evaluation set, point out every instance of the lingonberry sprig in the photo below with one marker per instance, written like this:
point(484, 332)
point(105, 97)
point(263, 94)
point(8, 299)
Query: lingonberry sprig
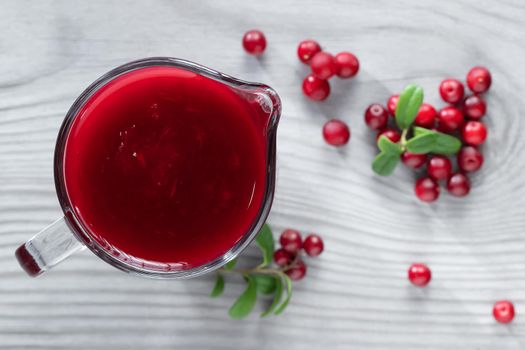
point(425, 144)
point(268, 279)
point(413, 139)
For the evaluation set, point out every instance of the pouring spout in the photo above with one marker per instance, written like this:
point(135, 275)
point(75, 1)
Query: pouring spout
point(265, 104)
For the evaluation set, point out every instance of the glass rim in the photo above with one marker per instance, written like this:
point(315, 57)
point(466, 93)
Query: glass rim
point(75, 223)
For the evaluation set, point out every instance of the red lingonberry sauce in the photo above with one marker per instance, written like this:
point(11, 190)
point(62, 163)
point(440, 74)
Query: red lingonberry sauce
point(165, 166)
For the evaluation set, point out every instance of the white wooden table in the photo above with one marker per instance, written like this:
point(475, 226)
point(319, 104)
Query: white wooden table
point(356, 296)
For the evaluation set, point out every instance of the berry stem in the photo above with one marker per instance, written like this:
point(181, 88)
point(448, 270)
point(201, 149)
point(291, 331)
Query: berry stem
point(263, 270)
point(403, 140)
point(291, 265)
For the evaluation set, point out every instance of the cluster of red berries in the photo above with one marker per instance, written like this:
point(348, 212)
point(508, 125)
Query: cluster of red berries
point(289, 255)
point(323, 66)
point(461, 118)
point(316, 87)
point(420, 275)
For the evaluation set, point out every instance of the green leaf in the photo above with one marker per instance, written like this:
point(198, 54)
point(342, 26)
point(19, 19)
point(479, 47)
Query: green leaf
point(446, 144)
point(284, 304)
point(385, 163)
point(219, 287)
point(265, 283)
point(421, 131)
point(246, 301)
point(277, 297)
point(389, 147)
point(408, 105)
point(430, 141)
point(421, 144)
point(265, 242)
point(230, 265)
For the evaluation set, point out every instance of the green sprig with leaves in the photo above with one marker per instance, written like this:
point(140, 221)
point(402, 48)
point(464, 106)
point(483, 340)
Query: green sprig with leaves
point(263, 279)
point(413, 139)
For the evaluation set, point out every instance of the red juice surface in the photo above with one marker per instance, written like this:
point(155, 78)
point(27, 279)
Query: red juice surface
point(166, 166)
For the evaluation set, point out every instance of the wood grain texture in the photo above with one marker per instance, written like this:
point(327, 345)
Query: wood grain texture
point(356, 295)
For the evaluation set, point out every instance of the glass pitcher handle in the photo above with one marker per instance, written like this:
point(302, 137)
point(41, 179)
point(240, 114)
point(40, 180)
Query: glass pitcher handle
point(47, 248)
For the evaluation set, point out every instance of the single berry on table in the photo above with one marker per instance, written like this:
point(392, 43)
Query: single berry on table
point(392, 104)
point(503, 311)
point(479, 79)
point(392, 134)
point(376, 116)
point(323, 65)
point(282, 257)
point(316, 89)
point(347, 65)
point(450, 119)
point(419, 275)
point(412, 160)
point(297, 270)
point(451, 90)
point(291, 241)
point(427, 189)
point(426, 116)
point(308, 49)
point(458, 185)
point(254, 42)
point(474, 107)
point(474, 133)
point(313, 245)
point(469, 158)
point(336, 132)
point(439, 167)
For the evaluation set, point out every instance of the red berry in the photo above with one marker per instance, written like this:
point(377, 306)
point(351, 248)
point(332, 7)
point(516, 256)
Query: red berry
point(316, 89)
point(450, 118)
point(479, 79)
point(297, 271)
point(426, 116)
point(470, 158)
point(458, 185)
point(474, 107)
point(451, 90)
point(427, 189)
point(439, 167)
point(308, 49)
point(254, 42)
point(291, 241)
point(503, 311)
point(376, 116)
point(391, 134)
point(474, 133)
point(419, 275)
point(336, 132)
point(347, 65)
point(413, 160)
point(313, 245)
point(282, 257)
point(323, 65)
point(392, 104)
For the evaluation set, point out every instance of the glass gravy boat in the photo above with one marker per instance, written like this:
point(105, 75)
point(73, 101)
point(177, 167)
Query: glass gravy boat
point(72, 233)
